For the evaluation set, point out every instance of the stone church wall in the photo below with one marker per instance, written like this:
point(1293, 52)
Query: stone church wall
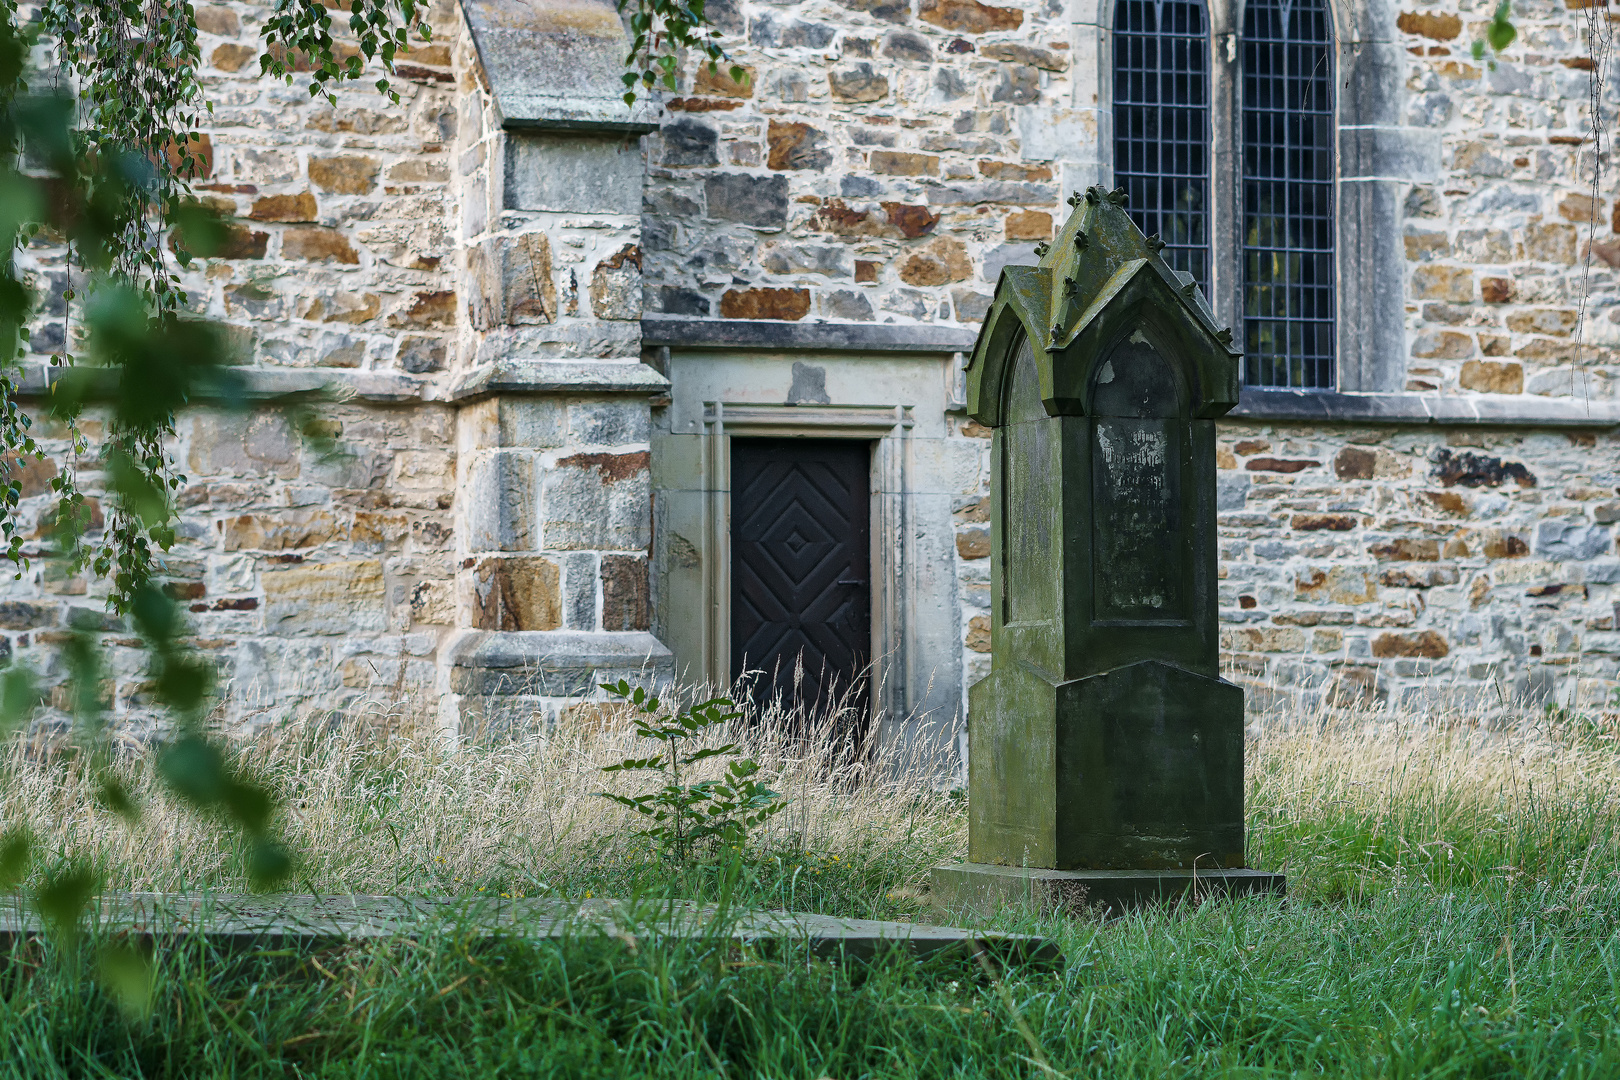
point(491, 452)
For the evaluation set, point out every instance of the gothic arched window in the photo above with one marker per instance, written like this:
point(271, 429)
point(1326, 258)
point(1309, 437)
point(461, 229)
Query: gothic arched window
point(1287, 209)
point(1161, 125)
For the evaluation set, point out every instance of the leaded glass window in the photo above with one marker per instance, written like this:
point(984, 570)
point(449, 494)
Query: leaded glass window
point(1161, 125)
point(1287, 194)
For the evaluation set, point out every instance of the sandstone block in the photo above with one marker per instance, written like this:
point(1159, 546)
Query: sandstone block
point(1336, 584)
point(325, 598)
point(1491, 377)
point(1559, 322)
point(218, 20)
point(1453, 283)
point(344, 174)
point(867, 272)
point(260, 445)
point(626, 593)
point(795, 146)
point(293, 208)
point(1496, 290)
point(978, 634)
point(1323, 522)
point(787, 304)
point(1015, 170)
point(971, 307)
point(1441, 26)
point(30, 475)
point(943, 261)
point(716, 80)
point(1405, 549)
point(1028, 225)
point(1407, 576)
point(279, 532)
point(500, 502)
point(1498, 544)
point(1017, 84)
point(1280, 465)
point(314, 243)
point(608, 423)
point(598, 502)
point(232, 57)
point(889, 219)
point(1264, 639)
point(431, 309)
point(241, 242)
point(1552, 243)
point(969, 16)
point(616, 285)
point(419, 354)
point(857, 82)
point(1013, 53)
point(516, 594)
point(514, 280)
point(1442, 345)
point(973, 543)
point(899, 163)
point(1424, 644)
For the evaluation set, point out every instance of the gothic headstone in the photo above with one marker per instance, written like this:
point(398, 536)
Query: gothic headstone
point(1105, 752)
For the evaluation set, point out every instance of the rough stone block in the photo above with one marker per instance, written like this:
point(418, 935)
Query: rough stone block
point(313, 243)
point(598, 502)
point(262, 444)
point(796, 146)
point(500, 502)
point(608, 423)
point(579, 591)
point(787, 304)
point(572, 174)
point(626, 593)
point(969, 16)
point(344, 174)
point(1489, 377)
point(942, 261)
point(616, 285)
point(516, 594)
point(514, 281)
point(857, 82)
point(1558, 538)
point(747, 199)
point(325, 598)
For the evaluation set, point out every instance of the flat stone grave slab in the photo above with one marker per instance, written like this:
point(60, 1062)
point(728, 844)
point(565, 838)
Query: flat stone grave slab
point(290, 920)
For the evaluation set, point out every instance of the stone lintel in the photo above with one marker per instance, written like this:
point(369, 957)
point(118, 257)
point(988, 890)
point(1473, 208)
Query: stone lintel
point(556, 64)
point(553, 663)
point(553, 377)
point(794, 336)
point(983, 889)
point(1441, 410)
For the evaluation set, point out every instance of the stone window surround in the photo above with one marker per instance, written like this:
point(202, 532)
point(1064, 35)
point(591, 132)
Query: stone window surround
point(1378, 158)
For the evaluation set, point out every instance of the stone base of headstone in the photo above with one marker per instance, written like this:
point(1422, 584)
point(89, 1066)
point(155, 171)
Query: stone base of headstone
point(983, 889)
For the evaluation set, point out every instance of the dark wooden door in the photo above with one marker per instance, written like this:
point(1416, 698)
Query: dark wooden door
point(801, 590)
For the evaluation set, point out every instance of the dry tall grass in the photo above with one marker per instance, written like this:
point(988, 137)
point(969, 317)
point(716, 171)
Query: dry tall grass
point(375, 803)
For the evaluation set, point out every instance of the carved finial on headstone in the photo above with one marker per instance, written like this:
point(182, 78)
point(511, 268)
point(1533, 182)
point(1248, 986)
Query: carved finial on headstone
point(1155, 243)
point(1118, 196)
point(1081, 240)
point(1057, 332)
point(1224, 335)
point(1041, 249)
point(1094, 194)
point(1071, 288)
point(1189, 288)
point(1074, 198)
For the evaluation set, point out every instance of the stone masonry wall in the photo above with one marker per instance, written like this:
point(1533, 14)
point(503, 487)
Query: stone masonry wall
point(313, 571)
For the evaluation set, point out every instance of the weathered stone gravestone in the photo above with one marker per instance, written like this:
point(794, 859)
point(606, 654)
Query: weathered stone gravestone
point(1105, 752)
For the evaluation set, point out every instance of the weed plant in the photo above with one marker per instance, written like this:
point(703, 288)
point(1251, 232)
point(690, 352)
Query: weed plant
point(1454, 911)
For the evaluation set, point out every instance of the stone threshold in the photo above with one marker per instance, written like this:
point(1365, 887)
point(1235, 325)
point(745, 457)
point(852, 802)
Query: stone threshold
point(278, 921)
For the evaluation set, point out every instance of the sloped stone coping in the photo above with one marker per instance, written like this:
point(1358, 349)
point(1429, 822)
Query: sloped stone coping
point(291, 920)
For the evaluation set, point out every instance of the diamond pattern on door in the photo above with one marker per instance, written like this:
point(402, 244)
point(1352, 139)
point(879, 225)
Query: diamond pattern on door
point(801, 570)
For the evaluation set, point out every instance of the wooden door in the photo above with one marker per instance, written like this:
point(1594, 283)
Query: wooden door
point(801, 590)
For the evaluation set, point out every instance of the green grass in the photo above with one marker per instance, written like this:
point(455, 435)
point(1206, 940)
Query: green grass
point(1454, 912)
